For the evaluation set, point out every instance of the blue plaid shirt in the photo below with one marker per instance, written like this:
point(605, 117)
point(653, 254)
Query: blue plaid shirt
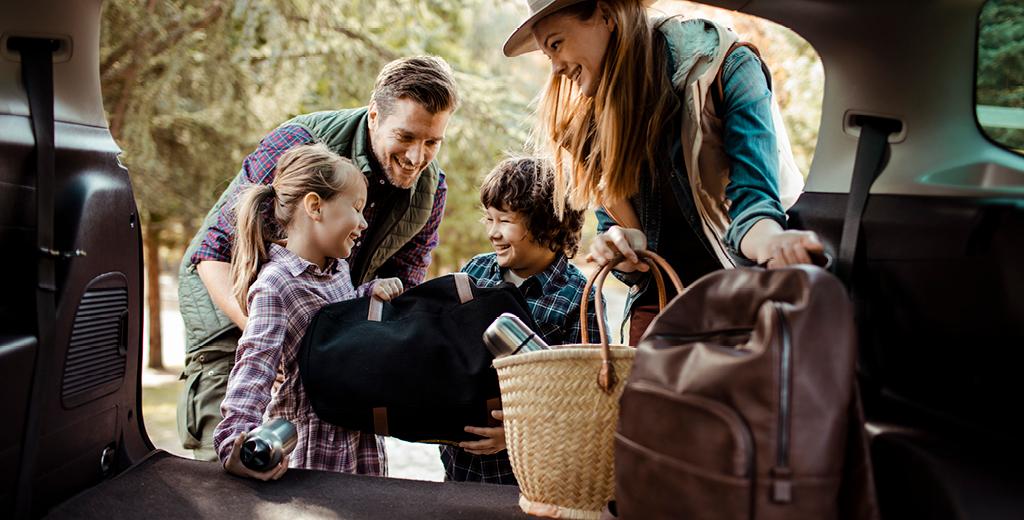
point(553, 296)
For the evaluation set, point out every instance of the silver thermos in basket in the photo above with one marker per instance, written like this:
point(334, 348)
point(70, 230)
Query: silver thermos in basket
point(266, 445)
point(508, 335)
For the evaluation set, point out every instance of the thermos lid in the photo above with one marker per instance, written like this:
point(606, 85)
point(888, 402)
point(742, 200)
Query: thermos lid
point(506, 334)
point(257, 454)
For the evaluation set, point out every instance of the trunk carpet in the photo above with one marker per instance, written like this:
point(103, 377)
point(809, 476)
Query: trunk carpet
point(167, 486)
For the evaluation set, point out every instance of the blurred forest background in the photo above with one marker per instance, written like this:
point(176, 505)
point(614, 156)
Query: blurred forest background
point(190, 87)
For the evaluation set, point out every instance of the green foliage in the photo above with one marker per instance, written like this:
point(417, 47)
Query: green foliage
point(1000, 80)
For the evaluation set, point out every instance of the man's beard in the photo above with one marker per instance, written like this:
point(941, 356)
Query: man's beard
point(389, 173)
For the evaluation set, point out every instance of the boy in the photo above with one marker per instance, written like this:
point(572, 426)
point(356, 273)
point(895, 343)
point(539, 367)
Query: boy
point(532, 248)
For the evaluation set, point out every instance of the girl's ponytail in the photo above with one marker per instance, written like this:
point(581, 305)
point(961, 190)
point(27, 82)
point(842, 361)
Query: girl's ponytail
point(251, 236)
point(310, 168)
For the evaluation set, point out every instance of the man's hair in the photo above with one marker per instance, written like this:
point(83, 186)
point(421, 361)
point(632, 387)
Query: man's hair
point(427, 80)
point(525, 185)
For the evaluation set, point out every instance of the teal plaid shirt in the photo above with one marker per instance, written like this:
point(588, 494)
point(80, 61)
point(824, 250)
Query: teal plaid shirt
point(554, 296)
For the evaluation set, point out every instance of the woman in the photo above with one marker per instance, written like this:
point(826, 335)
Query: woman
point(629, 113)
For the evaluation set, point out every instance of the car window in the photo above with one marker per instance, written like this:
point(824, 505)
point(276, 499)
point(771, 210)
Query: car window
point(1000, 75)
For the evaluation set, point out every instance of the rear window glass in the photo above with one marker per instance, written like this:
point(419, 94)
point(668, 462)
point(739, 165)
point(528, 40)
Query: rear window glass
point(1000, 78)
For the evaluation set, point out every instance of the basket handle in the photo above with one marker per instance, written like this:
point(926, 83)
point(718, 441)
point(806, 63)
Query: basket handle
point(606, 378)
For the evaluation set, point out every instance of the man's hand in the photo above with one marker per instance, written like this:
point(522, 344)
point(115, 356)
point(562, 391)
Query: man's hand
point(235, 467)
point(387, 288)
point(616, 240)
point(493, 438)
point(216, 276)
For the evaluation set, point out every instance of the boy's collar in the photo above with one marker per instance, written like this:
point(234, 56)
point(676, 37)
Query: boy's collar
point(544, 277)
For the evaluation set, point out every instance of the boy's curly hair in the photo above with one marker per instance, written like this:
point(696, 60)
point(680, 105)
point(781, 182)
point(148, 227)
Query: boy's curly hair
point(526, 185)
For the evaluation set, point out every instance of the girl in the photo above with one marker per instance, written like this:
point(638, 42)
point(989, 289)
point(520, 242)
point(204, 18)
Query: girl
point(316, 200)
point(631, 111)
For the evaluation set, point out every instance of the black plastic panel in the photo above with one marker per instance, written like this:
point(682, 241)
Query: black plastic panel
point(95, 362)
point(16, 358)
point(941, 293)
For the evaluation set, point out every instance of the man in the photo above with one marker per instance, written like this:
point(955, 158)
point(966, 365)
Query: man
point(393, 141)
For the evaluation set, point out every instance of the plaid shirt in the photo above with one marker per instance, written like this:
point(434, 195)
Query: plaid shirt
point(408, 264)
point(286, 295)
point(554, 296)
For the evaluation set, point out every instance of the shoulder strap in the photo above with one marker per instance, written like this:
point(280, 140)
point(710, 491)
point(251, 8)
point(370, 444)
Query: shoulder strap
point(718, 87)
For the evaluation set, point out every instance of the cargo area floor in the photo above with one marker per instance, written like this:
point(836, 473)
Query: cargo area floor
point(167, 486)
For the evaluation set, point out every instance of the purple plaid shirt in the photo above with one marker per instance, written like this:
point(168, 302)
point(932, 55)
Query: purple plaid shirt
point(410, 262)
point(282, 301)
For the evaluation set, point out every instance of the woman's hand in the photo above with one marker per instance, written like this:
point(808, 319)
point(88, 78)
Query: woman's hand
point(493, 438)
point(618, 240)
point(767, 243)
point(387, 288)
point(235, 467)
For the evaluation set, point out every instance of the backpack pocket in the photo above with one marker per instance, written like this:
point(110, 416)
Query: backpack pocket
point(681, 456)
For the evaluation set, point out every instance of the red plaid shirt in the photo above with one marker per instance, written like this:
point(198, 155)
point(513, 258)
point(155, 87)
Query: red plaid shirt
point(410, 262)
point(282, 301)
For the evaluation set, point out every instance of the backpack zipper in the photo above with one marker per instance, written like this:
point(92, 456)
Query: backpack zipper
point(782, 485)
point(690, 338)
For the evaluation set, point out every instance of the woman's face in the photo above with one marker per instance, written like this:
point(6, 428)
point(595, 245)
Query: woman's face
point(576, 47)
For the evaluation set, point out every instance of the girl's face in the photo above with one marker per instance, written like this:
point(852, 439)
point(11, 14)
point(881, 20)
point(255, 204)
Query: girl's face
point(576, 47)
point(341, 222)
point(512, 242)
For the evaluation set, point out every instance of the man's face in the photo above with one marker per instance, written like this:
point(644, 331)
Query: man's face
point(406, 140)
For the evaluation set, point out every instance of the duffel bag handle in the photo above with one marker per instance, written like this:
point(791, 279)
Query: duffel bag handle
point(463, 287)
point(606, 378)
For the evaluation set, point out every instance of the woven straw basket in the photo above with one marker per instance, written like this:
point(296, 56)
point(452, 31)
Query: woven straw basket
point(561, 408)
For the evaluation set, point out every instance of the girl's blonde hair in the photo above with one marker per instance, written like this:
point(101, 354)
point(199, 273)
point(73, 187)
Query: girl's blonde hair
point(601, 145)
point(264, 211)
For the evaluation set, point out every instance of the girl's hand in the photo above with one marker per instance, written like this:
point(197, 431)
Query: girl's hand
point(387, 288)
point(616, 240)
point(493, 438)
point(235, 467)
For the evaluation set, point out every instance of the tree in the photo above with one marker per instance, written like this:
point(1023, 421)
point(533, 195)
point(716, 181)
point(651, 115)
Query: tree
point(1000, 80)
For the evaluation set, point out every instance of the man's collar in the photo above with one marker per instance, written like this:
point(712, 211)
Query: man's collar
point(362, 151)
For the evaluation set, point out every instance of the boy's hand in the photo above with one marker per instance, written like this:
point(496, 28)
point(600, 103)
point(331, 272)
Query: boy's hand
point(493, 441)
point(616, 240)
point(387, 288)
point(235, 467)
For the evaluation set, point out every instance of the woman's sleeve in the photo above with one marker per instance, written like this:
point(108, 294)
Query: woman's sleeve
point(749, 141)
point(256, 361)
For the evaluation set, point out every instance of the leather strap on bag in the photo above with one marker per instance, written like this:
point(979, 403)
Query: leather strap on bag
point(463, 286)
point(380, 421)
point(718, 87)
point(606, 378)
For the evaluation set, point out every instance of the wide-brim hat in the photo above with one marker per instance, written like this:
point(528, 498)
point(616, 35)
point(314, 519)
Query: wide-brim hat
point(521, 40)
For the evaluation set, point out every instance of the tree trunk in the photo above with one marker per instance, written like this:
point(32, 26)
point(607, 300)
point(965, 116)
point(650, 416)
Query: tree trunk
point(151, 251)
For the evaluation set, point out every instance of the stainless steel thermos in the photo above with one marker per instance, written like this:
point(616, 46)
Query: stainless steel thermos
point(266, 445)
point(508, 335)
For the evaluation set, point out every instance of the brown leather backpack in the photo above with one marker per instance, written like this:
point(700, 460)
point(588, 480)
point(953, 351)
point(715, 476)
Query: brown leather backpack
point(742, 404)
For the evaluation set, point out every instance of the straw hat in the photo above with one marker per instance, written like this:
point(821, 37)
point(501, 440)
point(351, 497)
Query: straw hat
point(521, 41)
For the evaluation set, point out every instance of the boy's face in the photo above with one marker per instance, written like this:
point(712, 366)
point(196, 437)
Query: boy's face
point(512, 242)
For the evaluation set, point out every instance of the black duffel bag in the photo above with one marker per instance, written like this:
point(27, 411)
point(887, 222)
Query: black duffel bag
point(414, 368)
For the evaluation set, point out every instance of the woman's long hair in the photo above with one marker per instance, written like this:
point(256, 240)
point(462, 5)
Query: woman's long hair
point(601, 145)
point(264, 211)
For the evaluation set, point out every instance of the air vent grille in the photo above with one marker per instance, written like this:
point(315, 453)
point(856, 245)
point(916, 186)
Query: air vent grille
point(95, 363)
